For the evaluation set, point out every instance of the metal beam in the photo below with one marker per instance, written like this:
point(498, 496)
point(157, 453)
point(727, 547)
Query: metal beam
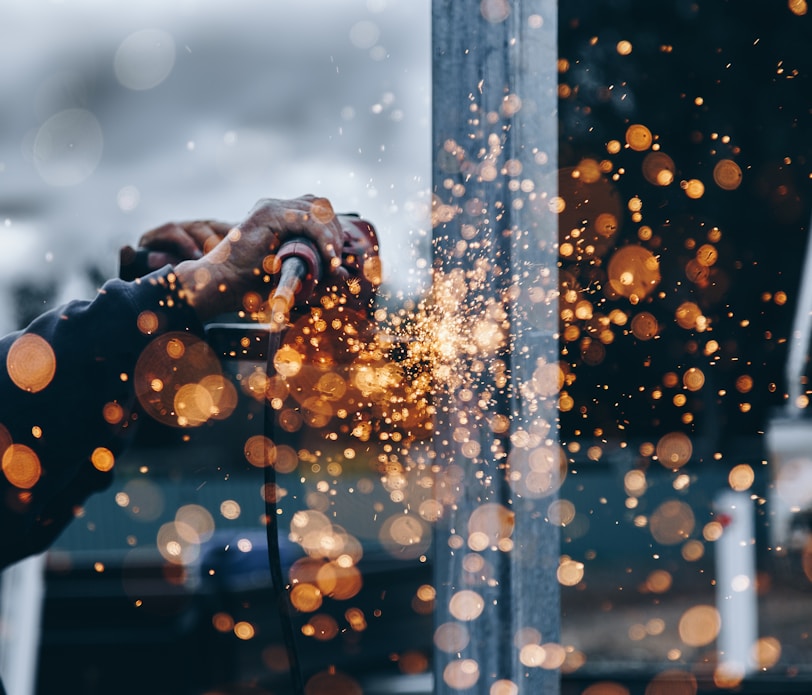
point(495, 288)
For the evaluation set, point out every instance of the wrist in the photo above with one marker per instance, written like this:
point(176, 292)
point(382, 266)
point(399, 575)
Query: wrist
point(203, 288)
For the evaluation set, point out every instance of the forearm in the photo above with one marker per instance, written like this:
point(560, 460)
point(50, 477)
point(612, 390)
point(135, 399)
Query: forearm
point(67, 390)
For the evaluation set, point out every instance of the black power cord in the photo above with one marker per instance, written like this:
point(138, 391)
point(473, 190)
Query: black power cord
point(300, 268)
point(274, 554)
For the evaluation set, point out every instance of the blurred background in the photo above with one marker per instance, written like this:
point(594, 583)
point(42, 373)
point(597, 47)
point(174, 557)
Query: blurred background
point(115, 118)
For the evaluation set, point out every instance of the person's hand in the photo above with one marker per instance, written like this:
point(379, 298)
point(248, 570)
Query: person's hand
point(242, 260)
point(174, 242)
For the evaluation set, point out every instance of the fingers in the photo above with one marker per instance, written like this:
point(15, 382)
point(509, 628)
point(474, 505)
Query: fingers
point(174, 242)
point(206, 234)
point(307, 216)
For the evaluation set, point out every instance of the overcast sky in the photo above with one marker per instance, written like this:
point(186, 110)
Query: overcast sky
point(116, 117)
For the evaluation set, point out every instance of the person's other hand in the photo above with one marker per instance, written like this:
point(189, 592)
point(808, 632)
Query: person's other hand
point(243, 260)
point(174, 242)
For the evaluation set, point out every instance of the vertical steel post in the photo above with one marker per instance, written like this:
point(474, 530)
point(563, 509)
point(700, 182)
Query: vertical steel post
point(498, 461)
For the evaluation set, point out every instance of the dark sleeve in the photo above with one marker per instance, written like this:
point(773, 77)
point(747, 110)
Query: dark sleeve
point(67, 402)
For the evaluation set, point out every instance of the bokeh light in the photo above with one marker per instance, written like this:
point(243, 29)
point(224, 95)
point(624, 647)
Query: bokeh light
point(699, 625)
point(31, 362)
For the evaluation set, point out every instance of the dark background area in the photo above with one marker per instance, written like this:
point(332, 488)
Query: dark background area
point(711, 80)
point(750, 65)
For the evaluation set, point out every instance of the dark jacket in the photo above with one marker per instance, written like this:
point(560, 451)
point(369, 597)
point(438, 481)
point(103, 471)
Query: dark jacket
point(67, 399)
